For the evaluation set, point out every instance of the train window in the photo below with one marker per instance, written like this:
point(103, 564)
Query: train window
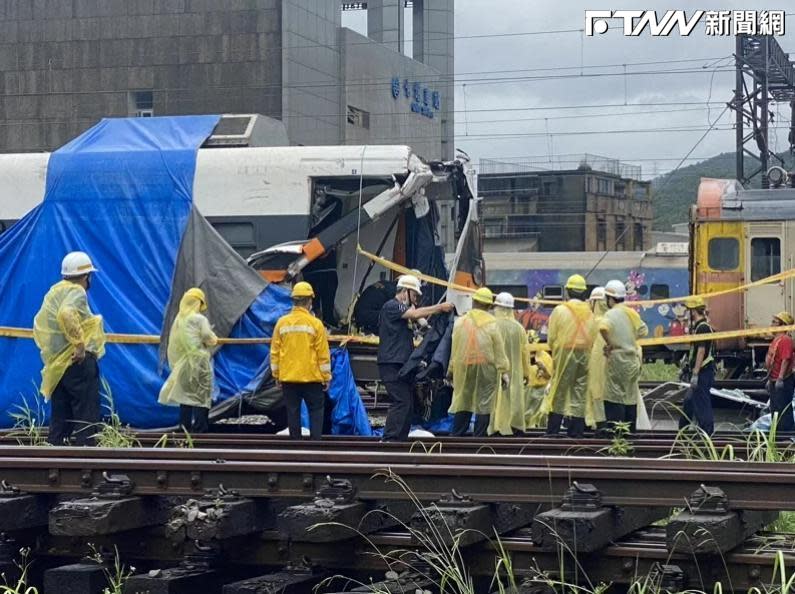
point(642, 290)
point(552, 292)
point(723, 253)
point(239, 235)
point(765, 257)
point(660, 292)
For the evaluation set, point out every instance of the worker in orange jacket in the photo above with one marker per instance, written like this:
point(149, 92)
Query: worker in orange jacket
point(301, 362)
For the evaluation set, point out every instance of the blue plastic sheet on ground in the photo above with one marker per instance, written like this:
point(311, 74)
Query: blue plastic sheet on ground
point(122, 192)
point(349, 416)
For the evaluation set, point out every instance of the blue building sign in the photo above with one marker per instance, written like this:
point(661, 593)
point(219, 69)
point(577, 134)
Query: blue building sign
point(424, 100)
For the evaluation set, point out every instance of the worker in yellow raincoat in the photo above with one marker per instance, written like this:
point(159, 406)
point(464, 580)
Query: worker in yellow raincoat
point(595, 405)
point(541, 368)
point(570, 336)
point(621, 327)
point(477, 365)
point(508, 416)
point(190, 344)
point(71, 340)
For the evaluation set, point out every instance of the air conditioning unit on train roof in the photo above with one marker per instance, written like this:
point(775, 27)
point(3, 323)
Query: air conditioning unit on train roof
point(247, 130)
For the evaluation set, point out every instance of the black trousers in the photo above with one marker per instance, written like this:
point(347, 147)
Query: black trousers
point(621, 413)
point(75, 409)
point(781, 402)
point(194, 418)
point(697, 405)
point(575, 426)
point(461, 421)
point(312, 394)
point(401, 407)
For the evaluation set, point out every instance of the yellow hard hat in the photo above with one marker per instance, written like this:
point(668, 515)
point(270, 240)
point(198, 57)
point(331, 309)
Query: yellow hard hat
point(785, 318)
point(483, 295)
point(197, 294)
point(695, 302)
point(576, 282)
point(302, 290)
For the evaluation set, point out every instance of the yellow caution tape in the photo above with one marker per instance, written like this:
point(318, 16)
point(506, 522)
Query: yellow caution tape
point(690, 338)
point(11, 332)
point(342, 339)
point(786, 274)
point(552, 302)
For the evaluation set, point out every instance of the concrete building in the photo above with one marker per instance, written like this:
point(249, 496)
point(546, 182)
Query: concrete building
point(601, 205)
point(68, 63)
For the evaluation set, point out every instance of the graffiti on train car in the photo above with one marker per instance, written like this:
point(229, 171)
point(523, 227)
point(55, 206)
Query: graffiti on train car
point(642, 284)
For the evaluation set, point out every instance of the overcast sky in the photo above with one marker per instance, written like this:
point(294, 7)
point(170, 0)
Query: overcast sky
point(541, 125)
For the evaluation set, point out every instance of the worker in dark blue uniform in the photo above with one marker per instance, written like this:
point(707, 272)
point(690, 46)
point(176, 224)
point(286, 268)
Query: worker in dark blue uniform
point(396, 343)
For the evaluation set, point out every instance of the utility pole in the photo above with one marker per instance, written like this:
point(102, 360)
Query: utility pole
point(764, 75)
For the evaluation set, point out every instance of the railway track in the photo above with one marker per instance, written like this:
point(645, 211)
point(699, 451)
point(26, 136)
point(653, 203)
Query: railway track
point(239, 506)
point(484, 477)
point(282, 476)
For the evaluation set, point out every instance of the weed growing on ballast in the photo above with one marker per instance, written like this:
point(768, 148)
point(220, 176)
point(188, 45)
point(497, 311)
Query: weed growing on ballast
point(437, 559)
point(620, 445)
point(29, 423)
point(168, 440)
point(116, 574)
point(113, 434)
point(21, 585)
point(693, 443)
point(763, 446)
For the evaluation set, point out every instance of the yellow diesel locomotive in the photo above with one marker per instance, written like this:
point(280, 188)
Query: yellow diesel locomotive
point(740, 236)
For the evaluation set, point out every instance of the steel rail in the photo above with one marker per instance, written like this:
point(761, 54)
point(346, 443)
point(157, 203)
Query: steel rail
point(383, 459)
point(521, 479)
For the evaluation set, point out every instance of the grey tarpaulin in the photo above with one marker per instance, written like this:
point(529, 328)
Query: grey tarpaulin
point(206, 261)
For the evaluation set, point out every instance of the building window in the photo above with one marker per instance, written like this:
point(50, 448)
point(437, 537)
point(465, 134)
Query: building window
point(358, 117)
point(723, 253)
point(621, 234)
point(660, 292)
point(238, 235)
point(638, 236)
point(141, 104)
point(765, 257)
point(601, 233)
point(604, 186)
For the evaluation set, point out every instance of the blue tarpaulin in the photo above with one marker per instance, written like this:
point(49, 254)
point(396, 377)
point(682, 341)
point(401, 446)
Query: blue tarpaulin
point(349, 416)
point(123, 193)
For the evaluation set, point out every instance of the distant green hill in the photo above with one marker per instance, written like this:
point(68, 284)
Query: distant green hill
point(672, 200)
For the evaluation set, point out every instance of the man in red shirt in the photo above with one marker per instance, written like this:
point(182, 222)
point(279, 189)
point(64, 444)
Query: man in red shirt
point(781, 382)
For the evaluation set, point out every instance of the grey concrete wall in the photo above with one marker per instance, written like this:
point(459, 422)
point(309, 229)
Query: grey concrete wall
point(68, 63)
point(368, 68)
point(386, 23)
point(434, 45)
point(311, 98)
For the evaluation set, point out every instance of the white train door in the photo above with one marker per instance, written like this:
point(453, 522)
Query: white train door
point(764, 243)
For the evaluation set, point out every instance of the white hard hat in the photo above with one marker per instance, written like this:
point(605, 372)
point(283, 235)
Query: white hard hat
point(504, 300)
point(615, 288)
point(597, 294)
point(76, 264)
point(411, 282)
